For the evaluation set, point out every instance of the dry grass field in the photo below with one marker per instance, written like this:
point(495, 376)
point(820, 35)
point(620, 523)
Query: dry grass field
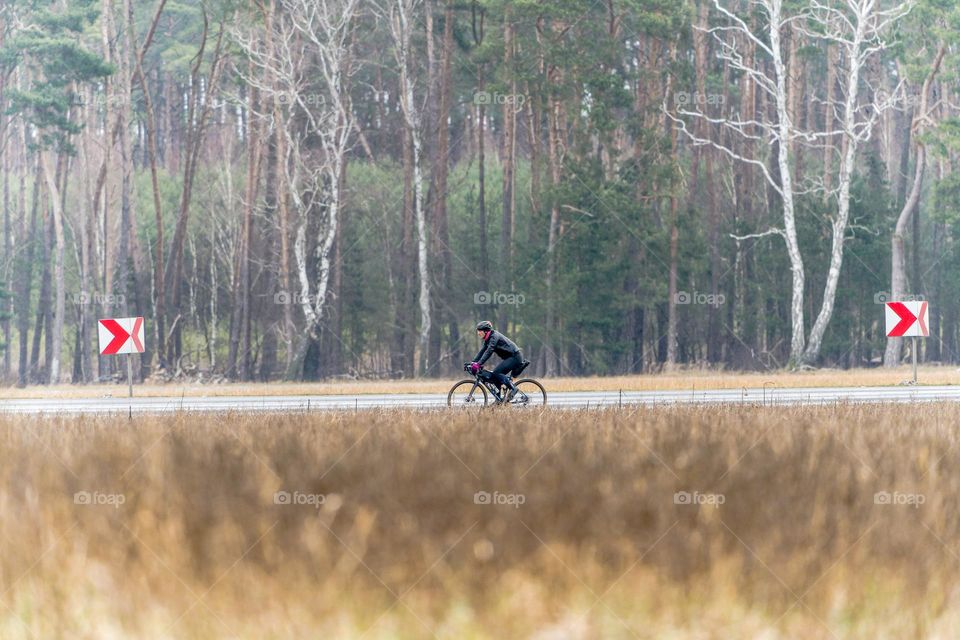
point(685, 380)
point(740, 522)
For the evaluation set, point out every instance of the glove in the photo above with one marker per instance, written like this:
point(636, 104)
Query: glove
point(474, 367)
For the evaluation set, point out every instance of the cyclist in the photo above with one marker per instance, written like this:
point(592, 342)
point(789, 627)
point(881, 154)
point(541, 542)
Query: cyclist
point(509, 352)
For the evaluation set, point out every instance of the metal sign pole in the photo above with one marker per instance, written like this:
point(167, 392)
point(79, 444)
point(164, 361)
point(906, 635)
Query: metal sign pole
point(914, 350)
point(129, 376)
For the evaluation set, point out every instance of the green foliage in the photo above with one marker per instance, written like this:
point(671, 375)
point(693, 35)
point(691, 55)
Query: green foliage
point(946, 200)
point(50, 48)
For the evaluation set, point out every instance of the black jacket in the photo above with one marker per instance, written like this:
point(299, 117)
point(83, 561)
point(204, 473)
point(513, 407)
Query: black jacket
point(497, 343)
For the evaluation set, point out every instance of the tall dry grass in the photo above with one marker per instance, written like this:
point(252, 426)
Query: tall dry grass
point(180, 535)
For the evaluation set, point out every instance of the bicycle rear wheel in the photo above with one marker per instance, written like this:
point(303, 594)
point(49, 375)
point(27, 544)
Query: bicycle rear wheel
point(530, 393)
point(467, 394)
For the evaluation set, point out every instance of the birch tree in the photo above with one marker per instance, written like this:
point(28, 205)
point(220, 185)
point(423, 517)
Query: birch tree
point(859, 28)
point(326, 26)
point(401, 15)
point(767, 73)
point(305, 31)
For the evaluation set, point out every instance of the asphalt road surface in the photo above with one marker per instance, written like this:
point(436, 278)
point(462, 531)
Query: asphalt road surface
point(568, 400)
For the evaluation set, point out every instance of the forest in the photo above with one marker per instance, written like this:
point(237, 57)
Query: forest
point(312, 189)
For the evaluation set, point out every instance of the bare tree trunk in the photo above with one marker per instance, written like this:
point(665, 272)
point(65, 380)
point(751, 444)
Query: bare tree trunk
point(423, 270)
point(25, 270)
point(509, 164)
point(60, 295)
point(481, 115)
point(552, 237)
point(534, 127)
point(402, 23)
point(335, 344)
point(83, 367)
point(785, 129)
point(442, 170)
point(671, 360)
point(701, 56)
point(158, 285)
point(282, 186)
point(196, 125)
point(238, 359)
point(214, 291)
point(39, 373)
point(402, 358)
point(133, 276)
point(5, 166)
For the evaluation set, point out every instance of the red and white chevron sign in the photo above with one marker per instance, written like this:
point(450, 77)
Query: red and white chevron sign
point(908, 319)
point(120, 335)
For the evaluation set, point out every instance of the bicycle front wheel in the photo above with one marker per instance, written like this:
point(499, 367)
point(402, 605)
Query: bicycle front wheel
point(467, 394)
point(530, 393)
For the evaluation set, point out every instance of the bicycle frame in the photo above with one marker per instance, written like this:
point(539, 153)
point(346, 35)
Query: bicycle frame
point(489, 385)
point(492, 387)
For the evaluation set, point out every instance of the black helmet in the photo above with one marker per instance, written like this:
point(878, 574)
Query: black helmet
point(484, 325)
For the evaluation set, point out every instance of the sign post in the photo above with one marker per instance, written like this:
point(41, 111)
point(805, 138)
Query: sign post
point(130, 375)
point(913, 350)
point(908, 320)
point(121, 336)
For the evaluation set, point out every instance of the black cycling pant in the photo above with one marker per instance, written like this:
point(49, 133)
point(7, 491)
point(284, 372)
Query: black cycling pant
point(500, 375)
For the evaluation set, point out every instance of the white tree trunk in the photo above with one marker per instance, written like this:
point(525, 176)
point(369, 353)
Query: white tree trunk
point(858, 28)
point(785, 127)
point(849, 149)
point(402, 24)
point(422, 246)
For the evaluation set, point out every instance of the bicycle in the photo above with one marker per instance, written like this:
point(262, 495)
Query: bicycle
point(474, 391)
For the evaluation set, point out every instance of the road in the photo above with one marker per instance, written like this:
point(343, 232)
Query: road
point(567, 400)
